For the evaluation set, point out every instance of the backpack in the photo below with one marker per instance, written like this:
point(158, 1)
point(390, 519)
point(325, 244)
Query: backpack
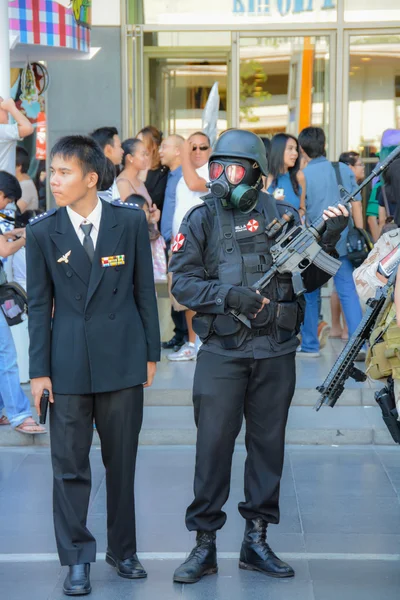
point(13, 300)
point(359, 243)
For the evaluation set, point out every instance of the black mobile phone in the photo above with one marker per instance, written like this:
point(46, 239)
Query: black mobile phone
point(44, 404)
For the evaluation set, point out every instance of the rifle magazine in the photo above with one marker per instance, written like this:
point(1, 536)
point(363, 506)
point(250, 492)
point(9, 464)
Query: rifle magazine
point(327, 263)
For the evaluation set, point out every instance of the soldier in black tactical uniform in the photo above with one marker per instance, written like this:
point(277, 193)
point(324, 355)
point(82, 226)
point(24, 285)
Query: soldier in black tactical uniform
point(221, 250)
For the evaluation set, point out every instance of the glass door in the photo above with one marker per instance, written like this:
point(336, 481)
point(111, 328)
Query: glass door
point(174, 72)
point(284, 83)
point(373, 90)
point(178, 87)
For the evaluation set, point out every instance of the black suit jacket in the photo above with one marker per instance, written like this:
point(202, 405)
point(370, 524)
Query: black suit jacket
point(105, 326)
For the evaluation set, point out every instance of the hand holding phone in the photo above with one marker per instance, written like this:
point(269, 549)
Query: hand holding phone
point(44, 404)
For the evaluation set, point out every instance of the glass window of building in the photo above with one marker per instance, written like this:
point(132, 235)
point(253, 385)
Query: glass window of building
point(284, 84)
point(180, 69)
point(371, 10)
point(239, 12)
point(374, 90)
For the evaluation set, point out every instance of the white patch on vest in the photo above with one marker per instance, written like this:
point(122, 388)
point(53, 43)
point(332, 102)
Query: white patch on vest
point(240, 228)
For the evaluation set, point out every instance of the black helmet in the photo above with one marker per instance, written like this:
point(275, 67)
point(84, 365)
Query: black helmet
point(239, 143)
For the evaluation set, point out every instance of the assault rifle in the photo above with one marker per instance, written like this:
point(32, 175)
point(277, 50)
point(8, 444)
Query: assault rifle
point(333, 386)
point(298, 248)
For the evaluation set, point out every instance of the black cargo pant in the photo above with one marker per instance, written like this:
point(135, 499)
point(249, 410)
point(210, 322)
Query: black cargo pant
point(224, 390)
point(118, 417)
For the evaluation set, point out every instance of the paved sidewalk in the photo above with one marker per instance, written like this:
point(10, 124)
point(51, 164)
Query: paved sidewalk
point(340, 527)
point(168, 414)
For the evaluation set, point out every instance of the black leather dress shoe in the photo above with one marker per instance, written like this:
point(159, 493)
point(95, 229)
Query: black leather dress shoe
point(201, 561)
point(173, 344)
point(256, 555)
point(77, 582)
point(130, 568)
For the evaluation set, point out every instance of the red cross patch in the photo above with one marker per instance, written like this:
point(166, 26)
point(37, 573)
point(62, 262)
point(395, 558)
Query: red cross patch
point(252, 225)
point(178, 242)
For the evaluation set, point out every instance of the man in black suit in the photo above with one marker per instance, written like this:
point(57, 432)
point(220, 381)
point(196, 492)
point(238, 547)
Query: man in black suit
point(90, 262)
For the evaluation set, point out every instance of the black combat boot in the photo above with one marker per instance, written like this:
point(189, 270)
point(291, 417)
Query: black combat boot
point(256, 555)
point(201, 561)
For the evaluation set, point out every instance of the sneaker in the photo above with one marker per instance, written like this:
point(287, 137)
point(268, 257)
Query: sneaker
point(187, 352)
point(323, 333)
point(174, 343)
point(301, 352)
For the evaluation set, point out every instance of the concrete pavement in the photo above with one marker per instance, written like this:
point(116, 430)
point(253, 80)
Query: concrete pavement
point(340, 527)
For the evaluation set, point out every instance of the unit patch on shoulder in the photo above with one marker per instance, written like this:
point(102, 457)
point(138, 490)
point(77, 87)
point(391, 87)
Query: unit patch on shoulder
point(179, 242)
point(125, 204)
point(252, 225)
point(42, 216)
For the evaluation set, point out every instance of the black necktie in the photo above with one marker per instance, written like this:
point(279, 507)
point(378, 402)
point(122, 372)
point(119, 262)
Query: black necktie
point(87, 240)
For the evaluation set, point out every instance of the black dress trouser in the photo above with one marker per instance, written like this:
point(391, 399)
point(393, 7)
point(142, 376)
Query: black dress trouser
point(118, 416)
point(225, 389)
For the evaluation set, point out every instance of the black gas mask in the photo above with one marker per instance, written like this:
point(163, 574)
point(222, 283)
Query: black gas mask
point(236, 182)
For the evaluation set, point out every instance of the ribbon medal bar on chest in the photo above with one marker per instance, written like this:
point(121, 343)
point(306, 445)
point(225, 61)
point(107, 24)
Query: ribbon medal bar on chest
point(113, 261)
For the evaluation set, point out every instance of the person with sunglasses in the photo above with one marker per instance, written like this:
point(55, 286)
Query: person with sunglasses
point(220, 251)
point(191, 188)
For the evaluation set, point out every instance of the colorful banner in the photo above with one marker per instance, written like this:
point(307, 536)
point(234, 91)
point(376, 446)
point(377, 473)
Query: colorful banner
point(51, 23)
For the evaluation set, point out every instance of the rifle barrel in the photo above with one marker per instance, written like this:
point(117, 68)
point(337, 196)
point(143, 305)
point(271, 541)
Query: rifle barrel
point(320, 225)
point(377, 171)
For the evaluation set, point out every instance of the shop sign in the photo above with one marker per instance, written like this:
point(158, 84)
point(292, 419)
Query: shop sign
point(226, 12)
point(283, 7)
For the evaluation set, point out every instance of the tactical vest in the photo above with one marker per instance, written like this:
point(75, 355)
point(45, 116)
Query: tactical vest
point(244, 256)
point(383, 357)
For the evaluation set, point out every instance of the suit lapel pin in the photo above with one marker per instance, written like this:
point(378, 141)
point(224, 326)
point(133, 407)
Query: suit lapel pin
point(65, 257)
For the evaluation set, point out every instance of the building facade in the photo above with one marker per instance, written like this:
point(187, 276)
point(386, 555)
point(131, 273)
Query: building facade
point(280, 64)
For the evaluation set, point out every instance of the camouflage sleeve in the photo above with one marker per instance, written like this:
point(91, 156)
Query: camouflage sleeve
point(365, 275)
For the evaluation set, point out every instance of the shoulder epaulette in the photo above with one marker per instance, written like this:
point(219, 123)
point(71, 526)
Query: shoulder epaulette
point(191, 210)
point(208, 196)
point(125, 204)
point(42, 216)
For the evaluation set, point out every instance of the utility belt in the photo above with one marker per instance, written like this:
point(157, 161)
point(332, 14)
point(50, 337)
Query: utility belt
point(282, 322)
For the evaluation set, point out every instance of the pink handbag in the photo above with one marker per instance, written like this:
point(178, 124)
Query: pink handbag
point(159, 260)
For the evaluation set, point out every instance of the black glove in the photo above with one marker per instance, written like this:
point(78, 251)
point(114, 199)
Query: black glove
point(334, 227)
point(244, 300)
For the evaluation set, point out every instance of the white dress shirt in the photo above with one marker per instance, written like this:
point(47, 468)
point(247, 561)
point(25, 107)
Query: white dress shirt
point(186, 199)
point(94, 218)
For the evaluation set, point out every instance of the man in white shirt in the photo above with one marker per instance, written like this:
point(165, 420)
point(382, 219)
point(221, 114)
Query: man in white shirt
point(11, 134)
point(190, 189)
